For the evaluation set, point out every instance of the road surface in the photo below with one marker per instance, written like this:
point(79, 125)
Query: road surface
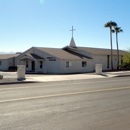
point(99, 104)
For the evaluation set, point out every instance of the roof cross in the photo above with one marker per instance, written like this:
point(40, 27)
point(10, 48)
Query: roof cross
point(72, 30)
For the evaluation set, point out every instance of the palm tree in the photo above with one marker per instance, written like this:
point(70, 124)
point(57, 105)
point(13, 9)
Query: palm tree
point(110, 25)
point(117, 30)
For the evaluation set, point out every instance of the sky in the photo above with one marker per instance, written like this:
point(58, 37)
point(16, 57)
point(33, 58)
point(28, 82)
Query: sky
point(47, 23)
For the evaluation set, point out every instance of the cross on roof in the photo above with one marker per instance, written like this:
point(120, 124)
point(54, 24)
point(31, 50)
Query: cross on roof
point(72, 30)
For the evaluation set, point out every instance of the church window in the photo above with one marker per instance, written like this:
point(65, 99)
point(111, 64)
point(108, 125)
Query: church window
point(68, 64)
point(84, 64)
point(26, 64)
point(41, 65)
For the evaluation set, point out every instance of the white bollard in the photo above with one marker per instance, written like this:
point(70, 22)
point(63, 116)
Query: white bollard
point(21, 72)
point(98, 68)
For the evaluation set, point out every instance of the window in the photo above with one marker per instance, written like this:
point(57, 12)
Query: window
point(84, 64)
point(107, 61)
point(68, 64)
point(0, 62)
point(26, 64)
point(41, 65)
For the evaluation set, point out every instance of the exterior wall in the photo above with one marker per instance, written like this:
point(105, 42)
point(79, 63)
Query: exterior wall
point(51, 66)
point(11, 62)
point(98, 59)
point(29, 68)
point(76, 66)
point(4, 65)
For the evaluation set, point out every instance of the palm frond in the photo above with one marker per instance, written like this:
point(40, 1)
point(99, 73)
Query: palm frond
point(113, 31)
point(110, 24)
point(118, 29)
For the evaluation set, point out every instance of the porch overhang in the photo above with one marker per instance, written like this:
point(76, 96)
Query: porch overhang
point(32, 57)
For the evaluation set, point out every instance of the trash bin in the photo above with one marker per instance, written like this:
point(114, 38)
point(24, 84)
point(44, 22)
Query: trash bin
point(98, 68)
point(21, 72)
point(44, 69)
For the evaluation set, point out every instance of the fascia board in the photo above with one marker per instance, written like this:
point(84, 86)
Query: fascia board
point(16, 58)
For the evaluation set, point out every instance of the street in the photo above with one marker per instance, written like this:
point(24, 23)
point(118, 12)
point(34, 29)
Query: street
point(92, 104)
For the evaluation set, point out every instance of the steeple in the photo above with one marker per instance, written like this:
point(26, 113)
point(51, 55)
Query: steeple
point(72, 42)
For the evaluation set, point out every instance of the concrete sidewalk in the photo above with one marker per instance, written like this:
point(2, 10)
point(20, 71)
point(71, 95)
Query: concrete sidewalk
point(49, 78)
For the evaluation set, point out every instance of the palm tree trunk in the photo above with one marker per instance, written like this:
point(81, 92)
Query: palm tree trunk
point(111, 48)
point(117, 50)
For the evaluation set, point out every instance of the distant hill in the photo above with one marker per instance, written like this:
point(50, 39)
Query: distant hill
point(7, 52)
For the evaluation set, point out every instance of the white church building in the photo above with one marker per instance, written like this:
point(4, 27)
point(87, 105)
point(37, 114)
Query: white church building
point(69, 59)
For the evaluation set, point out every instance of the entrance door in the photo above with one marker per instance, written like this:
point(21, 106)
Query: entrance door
point(33, 65)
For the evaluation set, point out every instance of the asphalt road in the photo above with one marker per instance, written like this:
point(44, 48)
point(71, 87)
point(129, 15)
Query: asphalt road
point(99, 104)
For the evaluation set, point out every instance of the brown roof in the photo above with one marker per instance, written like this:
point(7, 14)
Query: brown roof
point(62, 54)
point(35, 56)
point(7, 56)
point(100, 51)
point(66, 54)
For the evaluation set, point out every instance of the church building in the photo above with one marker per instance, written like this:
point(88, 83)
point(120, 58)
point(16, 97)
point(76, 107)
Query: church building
point(69, 59)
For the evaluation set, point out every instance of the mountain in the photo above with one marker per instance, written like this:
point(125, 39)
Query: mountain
point(7, 52)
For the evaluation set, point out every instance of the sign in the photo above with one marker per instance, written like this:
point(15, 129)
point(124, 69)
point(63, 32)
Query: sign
point(51, 58)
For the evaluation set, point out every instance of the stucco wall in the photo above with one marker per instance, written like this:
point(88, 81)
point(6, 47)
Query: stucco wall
point(98, 59)
point(4, 65)
point(52, 66)
point(76, 66)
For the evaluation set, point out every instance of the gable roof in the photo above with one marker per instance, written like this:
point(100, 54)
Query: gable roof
point(8, 56)
point(35, 56)
point(62, 54)
point(100, 51)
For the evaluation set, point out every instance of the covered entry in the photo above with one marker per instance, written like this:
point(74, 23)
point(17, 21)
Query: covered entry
point(32, 62)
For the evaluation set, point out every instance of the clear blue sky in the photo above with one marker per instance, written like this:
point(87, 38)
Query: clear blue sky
point(46, 23)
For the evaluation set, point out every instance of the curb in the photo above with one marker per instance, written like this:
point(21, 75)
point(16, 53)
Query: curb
point(7, 83)
point(122, 76)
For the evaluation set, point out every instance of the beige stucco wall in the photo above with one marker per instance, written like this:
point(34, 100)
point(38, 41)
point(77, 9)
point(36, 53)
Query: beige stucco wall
point(6, 63)
point(24, 63)
point(52, 66)
point(102, 59)
point(76, 66)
